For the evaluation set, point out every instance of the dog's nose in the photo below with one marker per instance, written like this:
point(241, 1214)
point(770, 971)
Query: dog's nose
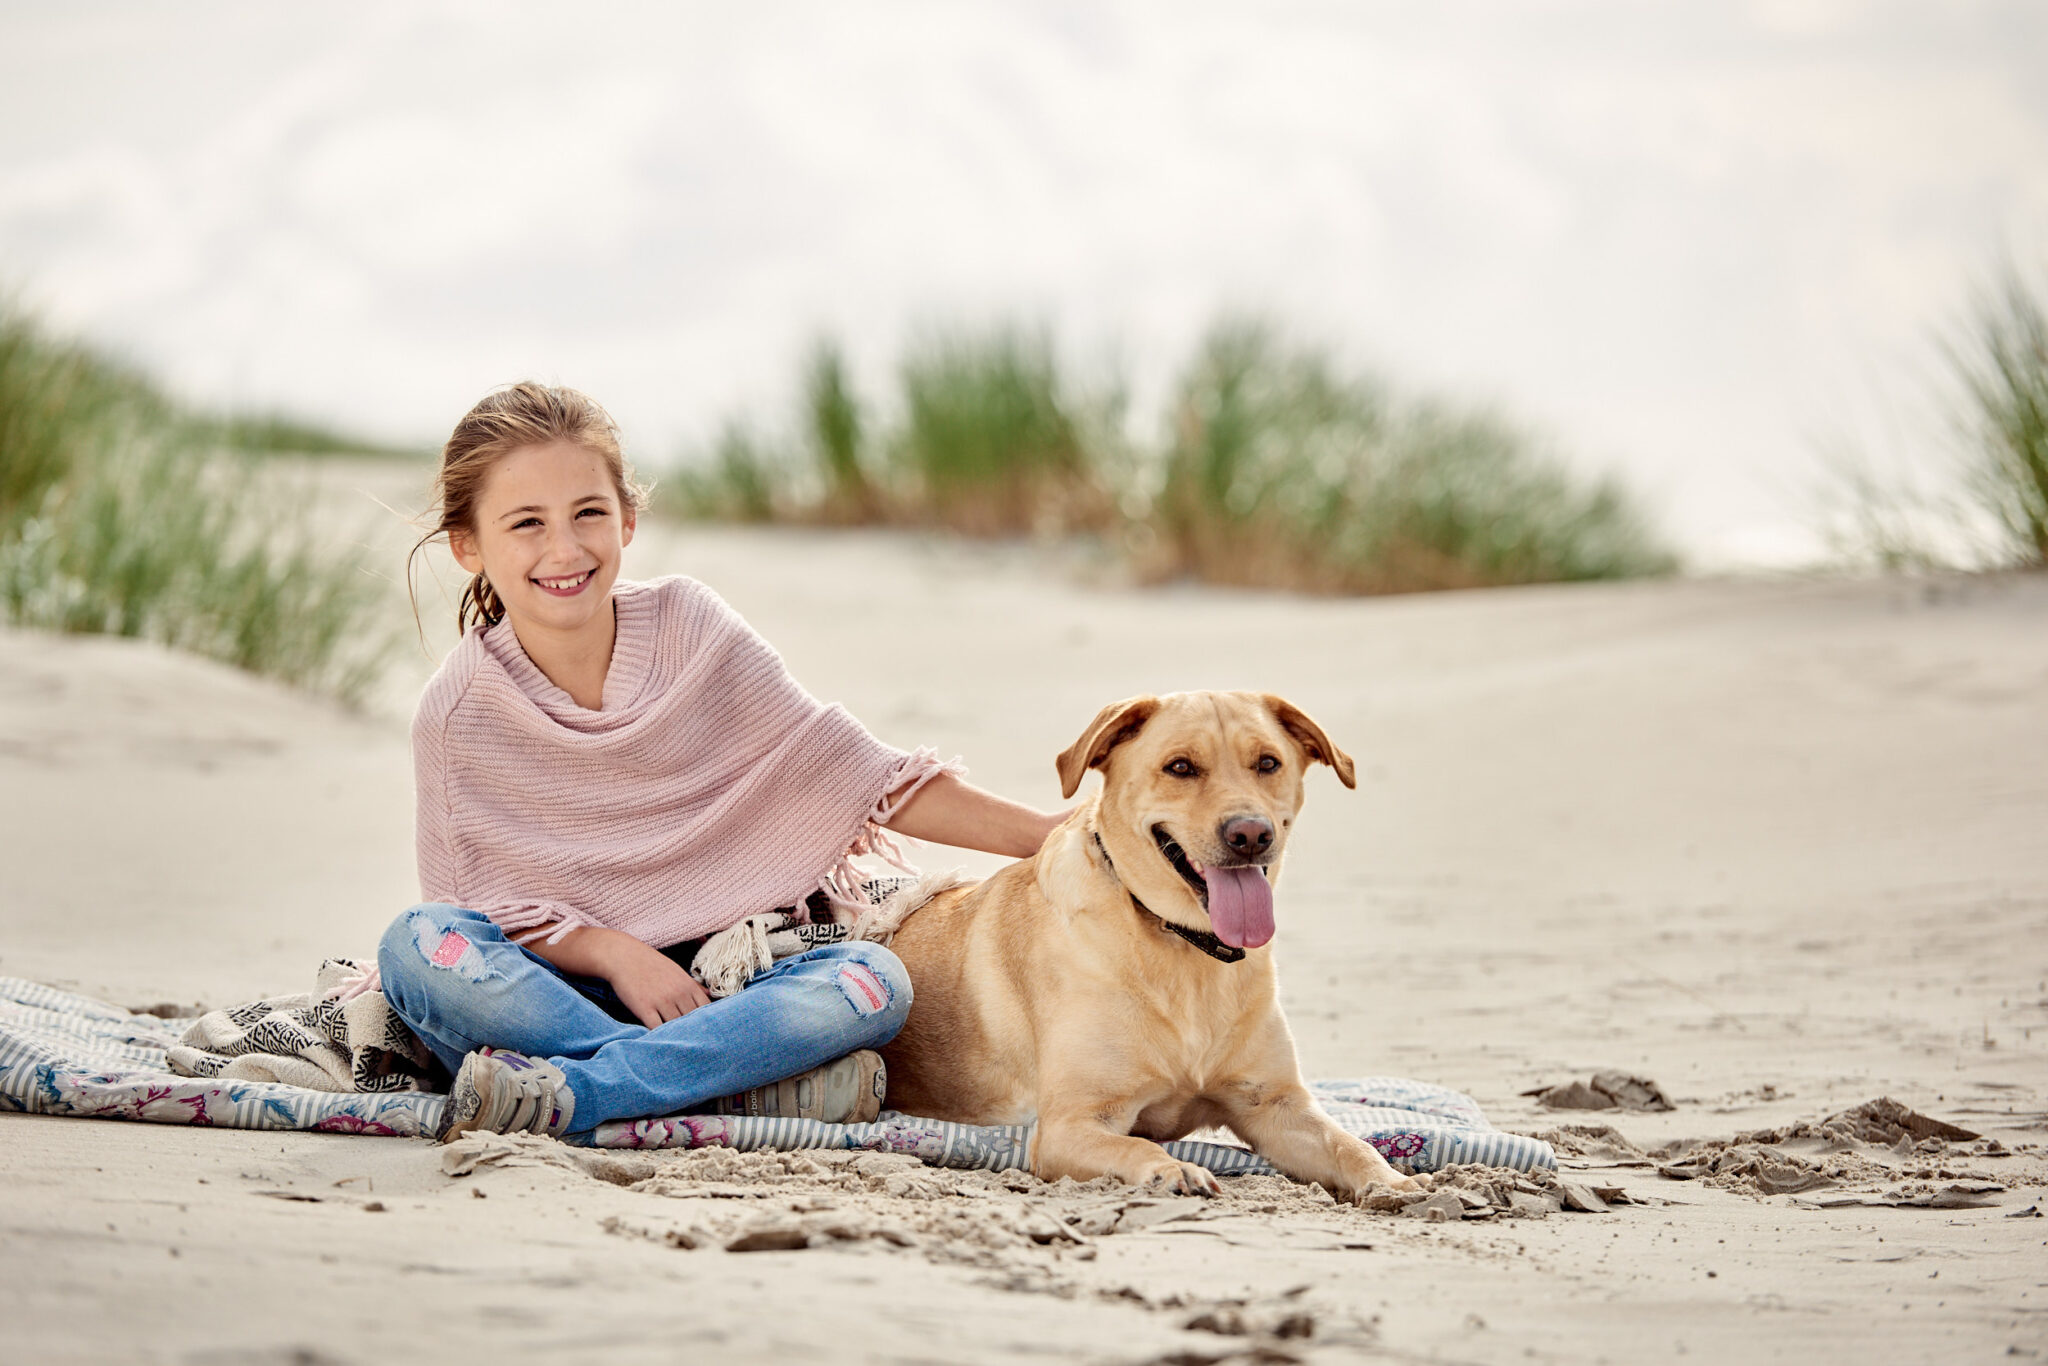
point(1248, 836)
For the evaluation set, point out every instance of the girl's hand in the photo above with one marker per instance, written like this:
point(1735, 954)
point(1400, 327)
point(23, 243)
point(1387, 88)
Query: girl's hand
point(649, 982)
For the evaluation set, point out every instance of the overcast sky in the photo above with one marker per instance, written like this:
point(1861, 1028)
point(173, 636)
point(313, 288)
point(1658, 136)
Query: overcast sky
point(1690, 242)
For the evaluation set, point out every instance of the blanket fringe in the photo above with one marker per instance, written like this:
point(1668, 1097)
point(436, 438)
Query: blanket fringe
point(880, 923)
point(730, 959)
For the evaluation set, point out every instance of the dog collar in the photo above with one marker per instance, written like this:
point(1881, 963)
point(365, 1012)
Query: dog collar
point(1201, 939)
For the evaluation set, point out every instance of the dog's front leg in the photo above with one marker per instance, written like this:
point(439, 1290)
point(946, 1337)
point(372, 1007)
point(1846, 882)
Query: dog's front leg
point(1085, 1142)
point(1285, 1126)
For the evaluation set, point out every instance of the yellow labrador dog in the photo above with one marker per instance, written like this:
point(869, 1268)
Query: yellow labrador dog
point(1117, 986)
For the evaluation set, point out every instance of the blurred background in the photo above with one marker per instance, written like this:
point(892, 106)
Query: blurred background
point(1344, 297)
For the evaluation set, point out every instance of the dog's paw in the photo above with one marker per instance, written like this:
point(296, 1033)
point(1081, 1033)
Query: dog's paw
point(1384, 1199)
point(1391, 1191)
point(1179, 1178)
point(1388, 1175)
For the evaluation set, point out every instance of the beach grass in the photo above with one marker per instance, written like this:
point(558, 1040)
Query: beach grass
point(987, 438)
point(835, 427)
point(121, 514)
point(1999, 361)
point(1276, 470)
point(745, 480)
point(60, 404)
point(284, 434)
point(1970, 490)
point(993, 440)
point(1281, 471)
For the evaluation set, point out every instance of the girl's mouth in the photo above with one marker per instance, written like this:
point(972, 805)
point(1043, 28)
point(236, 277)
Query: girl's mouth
point(567, 586)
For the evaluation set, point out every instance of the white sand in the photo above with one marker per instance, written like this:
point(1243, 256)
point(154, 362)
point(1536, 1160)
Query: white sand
point(1728, 835)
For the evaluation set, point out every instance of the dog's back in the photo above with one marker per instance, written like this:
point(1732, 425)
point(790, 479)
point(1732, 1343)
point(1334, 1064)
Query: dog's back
point(962, 949)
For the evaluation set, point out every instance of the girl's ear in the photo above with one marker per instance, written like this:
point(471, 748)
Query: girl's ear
point(632, 520)
point(463, 545)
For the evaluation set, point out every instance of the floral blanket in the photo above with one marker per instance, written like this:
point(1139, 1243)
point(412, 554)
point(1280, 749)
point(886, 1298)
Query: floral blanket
point(66, 1054)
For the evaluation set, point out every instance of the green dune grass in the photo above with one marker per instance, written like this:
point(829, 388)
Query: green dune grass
point(1972, 493)
point(125, 514)
point(1282, 472)
point(2000, 363)
point(994, 440)
point(1275, 470)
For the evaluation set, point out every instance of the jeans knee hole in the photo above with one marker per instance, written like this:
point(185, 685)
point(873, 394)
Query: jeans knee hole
point(449, 949)
point(864, 989)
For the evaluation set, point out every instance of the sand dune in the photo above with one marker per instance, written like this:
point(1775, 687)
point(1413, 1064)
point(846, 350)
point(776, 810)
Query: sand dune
point(1778, 845)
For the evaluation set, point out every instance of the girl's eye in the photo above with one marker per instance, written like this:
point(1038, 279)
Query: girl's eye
point(1268, 764)
point(588, 511)
point(1181, 768)
point(525, 522)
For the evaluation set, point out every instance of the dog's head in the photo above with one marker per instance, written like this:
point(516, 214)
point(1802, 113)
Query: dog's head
point(1199, 791)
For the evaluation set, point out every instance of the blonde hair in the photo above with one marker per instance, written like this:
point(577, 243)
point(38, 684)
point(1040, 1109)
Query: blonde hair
point(510, 419)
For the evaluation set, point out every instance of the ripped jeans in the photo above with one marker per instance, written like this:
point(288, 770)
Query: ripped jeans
point(462, 985)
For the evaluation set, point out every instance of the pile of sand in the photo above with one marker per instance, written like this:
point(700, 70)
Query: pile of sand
point(784, 1201)
point(1027, 1235)
point(1878, 1143)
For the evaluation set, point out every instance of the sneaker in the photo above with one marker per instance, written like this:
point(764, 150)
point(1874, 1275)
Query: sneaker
point(502, 1092)
point(846, 1090)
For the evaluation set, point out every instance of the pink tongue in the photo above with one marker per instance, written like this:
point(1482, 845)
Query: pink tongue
point(1240, 906)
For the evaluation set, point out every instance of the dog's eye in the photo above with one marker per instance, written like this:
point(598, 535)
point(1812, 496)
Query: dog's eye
point(1268, 764)
point(1181, 768)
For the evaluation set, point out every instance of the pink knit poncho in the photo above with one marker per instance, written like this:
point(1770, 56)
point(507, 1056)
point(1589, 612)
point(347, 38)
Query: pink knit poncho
point(709, 787)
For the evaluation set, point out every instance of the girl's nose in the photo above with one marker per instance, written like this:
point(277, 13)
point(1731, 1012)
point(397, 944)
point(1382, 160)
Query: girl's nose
point(561, 546)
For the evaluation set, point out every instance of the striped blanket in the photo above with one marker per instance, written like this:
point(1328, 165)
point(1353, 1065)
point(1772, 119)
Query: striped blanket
point(66, 1054)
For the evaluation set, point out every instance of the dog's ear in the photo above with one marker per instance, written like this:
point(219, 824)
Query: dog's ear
point(1311, 737)
point(1113, 725)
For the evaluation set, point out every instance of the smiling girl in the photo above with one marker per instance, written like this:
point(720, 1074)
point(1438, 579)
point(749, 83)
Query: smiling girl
point(607, 772)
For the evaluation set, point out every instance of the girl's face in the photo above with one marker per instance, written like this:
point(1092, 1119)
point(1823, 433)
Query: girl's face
point(549, 532)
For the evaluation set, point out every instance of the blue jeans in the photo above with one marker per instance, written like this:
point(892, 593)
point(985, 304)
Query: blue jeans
point(462, 985)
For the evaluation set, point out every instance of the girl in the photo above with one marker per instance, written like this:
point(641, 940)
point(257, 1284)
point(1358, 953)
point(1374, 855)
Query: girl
point(607, 772)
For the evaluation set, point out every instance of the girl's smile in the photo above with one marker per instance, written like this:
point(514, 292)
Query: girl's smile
point(567, 587)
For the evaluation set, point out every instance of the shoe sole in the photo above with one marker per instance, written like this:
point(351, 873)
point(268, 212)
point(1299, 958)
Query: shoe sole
point(486, 1087)
point(791, 1097)
point(874, 1087)
point(472, 1123)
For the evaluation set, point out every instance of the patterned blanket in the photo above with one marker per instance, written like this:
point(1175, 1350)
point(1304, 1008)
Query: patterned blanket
point(315, 1039)
point(66, 1054)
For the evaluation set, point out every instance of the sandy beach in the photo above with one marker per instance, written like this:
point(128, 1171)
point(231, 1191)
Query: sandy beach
point(1777, 844)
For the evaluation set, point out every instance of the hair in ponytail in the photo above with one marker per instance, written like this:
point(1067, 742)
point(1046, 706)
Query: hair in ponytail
point(510, 419)
point(479, 603)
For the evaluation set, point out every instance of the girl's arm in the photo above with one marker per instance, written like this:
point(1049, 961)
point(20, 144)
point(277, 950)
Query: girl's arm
point(949, 810)
point(649, 983)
